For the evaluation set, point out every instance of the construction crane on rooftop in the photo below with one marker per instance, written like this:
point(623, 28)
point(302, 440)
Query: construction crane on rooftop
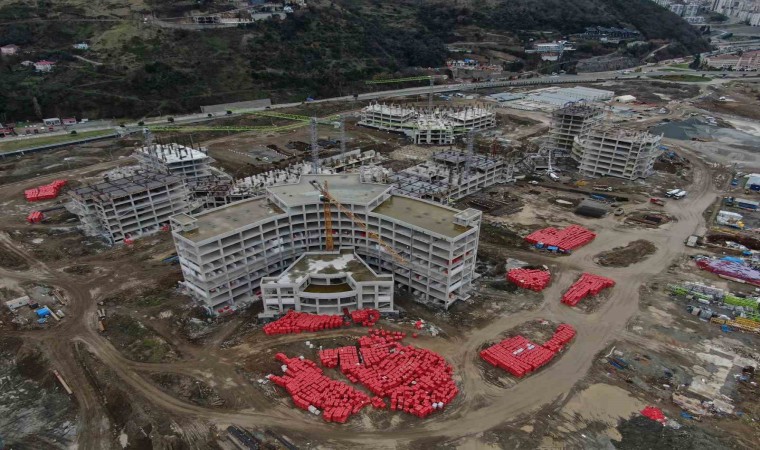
point(431, 78)
point(328, 199)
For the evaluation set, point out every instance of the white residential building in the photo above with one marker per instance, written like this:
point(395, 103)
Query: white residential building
point(226, 252)
point(44, 66)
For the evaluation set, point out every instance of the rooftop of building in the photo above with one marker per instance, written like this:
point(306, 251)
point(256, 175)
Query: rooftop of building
point(622, 134)
point(172, 153)
point(578, 109)
point(328, 263)
point(231, 217)
point(469, 113)
point(123, 187)
point(346, 188)
point(392, 110)
point(422, 214)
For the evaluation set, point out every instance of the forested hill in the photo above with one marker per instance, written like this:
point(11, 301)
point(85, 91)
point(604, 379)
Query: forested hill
point(135, 68)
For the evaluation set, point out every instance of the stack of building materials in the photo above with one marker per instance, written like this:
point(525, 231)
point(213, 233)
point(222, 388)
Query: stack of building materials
point(730, 270)
point(562, 335)
point(517, 356)
point(365, 317)
point(520, 356)
point(35, 217)
point(45, 192)
point(533, 279)
point(587, 284)
point(730, 219)
point(297, 322)
point(563, 240)
point(417, 381)
point(311, 389)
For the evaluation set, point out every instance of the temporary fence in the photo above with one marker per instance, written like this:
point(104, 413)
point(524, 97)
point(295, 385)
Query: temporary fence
point(298, 322)
point(731, 270)
point(563, 240)
point(45, 192)
point(519, 356)
point(311, 390)
point(587, 284)
point(35, 217)
point(417, 381)
point(533, 279)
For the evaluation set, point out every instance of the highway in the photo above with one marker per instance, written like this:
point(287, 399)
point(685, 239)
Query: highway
point(654, 71)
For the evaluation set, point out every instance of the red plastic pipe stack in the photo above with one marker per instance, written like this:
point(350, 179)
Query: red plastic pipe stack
point(565, 239)
point(35, 217)
point(308, 386)
point(45, 192)
point(298, 322)
point(533, 279)
point(365, 317)
point(587, 284)
point(520, 356)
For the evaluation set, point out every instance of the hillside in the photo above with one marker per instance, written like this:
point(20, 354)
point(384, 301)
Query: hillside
point(135, 68)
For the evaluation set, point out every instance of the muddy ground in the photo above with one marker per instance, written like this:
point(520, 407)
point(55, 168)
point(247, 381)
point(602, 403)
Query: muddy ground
point(632, 253)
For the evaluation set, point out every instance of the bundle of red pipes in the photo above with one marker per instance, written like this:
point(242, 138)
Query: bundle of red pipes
point(35, 217)
point(297, 322)
point(365, 317)
point(45, 192)
point(565, 239)
point(533, 279)
point(520, 356)
point(587, 284)
point(309, 387)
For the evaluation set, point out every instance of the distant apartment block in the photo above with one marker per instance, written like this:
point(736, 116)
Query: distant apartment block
point(616, 152)
point(742, 10)
point(438, 127)
point(129, 207)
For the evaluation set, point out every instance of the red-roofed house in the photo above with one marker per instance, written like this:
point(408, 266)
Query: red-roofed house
point(8, 50)
point(44, 66)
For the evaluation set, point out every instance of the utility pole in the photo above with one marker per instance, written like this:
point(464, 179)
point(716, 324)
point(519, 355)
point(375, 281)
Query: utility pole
point(314, 146)
point(342, 135)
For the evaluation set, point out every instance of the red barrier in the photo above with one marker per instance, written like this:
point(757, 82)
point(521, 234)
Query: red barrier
point(297, 322)
point(35, 217)
point(309, 387)
point(520, 356)
point(46, 192)
point(587, 284)
point(533, 279)
point(565, 239)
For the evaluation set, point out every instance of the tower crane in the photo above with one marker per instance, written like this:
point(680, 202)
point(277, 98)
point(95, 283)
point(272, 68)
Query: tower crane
point(328, 199)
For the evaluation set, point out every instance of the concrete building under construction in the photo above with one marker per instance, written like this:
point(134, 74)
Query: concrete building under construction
point(225, 253)
point(325, 283)
point(131, 206)
point(616, 152)
point(438, 127)
point(571, 121)
point(446, 177)
point(191, 164)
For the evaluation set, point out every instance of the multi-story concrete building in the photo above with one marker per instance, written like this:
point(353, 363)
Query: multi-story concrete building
point(325, 283)
point(616, 152)
point(225, 252)
point(439, 127)
point(443, 179)
point(174, 159)
point(571, 121)
point(743, 10)
point(130, 207)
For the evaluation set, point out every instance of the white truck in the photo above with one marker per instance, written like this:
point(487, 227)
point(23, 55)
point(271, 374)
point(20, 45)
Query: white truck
point(672, 193)
point(679, 195)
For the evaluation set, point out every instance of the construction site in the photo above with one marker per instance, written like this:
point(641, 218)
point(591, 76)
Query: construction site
point(408, 272)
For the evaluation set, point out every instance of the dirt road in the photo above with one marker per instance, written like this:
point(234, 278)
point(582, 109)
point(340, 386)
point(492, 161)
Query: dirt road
point(479, 407)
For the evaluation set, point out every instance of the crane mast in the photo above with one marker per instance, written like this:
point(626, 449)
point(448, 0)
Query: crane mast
point(329, 199)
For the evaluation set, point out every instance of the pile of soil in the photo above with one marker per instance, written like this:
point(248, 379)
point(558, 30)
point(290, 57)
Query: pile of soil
point(632, 253)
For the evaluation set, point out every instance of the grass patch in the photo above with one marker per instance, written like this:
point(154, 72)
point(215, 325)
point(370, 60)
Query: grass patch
point(20, 144)
point(684, 78)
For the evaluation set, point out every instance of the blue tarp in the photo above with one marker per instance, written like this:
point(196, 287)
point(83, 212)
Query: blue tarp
point(733, 259)
point(43, 312)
